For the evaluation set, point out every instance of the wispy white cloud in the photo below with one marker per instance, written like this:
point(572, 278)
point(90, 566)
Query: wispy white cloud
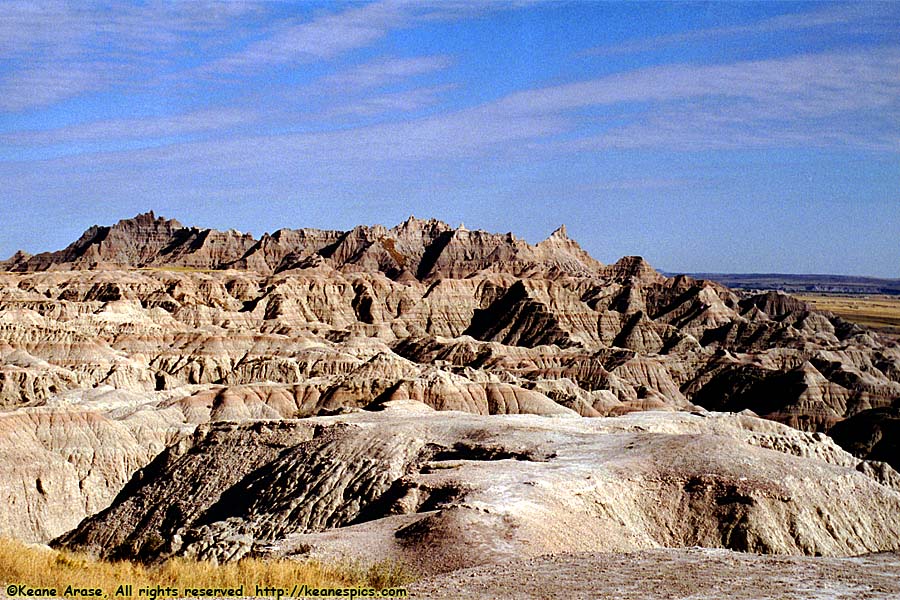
point(815, 84)
point(831, 99)
point(63, 28)
point(461, 134)
point(332, 34)
point(382, 71)
point(397, 102)
point(52, 51)
point(146, 44)
point(324, 37)
point(129, 129)
point(824, 100)
point(872, 14)
point(44, 84)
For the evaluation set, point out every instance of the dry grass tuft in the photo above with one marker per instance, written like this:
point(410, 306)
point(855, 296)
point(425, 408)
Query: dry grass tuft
point(39, 566)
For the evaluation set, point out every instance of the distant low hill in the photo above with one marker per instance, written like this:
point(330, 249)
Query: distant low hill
point(837, 284)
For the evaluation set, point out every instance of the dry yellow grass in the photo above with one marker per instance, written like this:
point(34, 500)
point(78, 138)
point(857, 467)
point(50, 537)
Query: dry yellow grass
point(41, 567)
point(881, 313)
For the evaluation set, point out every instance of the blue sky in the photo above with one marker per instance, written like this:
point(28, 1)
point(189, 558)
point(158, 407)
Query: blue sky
point(729, 137)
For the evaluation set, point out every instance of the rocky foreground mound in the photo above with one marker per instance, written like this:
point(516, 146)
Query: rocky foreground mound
point(170, 371)
point(441, 491)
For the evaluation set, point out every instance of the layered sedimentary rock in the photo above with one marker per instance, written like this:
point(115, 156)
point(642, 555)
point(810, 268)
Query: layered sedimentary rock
point(424, 250)
point(65, 462)
point(448, 490)
point(646, 340)
point(148, 328)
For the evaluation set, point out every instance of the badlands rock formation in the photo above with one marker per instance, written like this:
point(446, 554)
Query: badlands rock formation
point(457, 318)
point(148, 355)
point(442, 491)
point(423, 250)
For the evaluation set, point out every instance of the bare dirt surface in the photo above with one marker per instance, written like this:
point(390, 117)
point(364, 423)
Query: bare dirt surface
point(690, 573)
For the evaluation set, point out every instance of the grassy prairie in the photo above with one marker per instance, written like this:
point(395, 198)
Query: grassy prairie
point(38, 566)
point(881, 313)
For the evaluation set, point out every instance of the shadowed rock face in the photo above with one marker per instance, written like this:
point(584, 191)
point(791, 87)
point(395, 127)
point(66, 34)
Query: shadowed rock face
point(872, 434)
point(450, 490)
point(218, 326)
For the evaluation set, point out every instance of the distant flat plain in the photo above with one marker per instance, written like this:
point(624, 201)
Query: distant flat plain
point(874, 303)
point(881, 312)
